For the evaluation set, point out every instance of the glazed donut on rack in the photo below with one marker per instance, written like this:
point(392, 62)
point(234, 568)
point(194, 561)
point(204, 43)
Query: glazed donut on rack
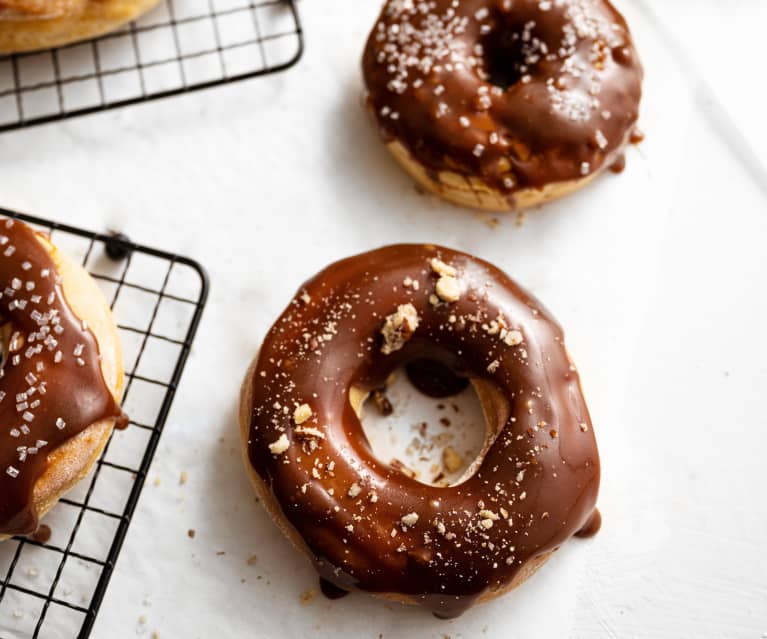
point(365, 524)
point(61, 378)
point(28, 25)
point(503, 105)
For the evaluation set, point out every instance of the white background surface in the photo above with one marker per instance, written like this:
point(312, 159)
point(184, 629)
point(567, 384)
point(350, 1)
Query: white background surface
point(657, 276)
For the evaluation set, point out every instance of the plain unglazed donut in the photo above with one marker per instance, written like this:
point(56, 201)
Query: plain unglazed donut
point(62, 376)
point(503, 105)
point(365, 524)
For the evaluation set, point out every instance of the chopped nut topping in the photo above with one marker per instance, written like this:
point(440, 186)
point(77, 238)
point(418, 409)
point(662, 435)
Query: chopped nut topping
point(488, 514)
point(448, 289)
point(354, 490)
point(409, 520)
point(308, 432)
point(440, 268)
point(280, 446)
point(493, 366)
point(584, 427)
point(513, 338)
point(302, 413)
point(440, 526)
point(399, 328)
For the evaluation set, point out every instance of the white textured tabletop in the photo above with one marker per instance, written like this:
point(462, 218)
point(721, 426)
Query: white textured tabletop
point(657, 276)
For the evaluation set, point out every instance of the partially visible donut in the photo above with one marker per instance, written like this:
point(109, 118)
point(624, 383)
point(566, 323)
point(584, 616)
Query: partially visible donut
point(28, 25)
point(365, 524)
point(61, 378)
point(501, 104)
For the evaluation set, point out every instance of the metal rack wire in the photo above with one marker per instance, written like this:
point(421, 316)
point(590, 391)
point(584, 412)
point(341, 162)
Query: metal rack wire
point(54, 588)
point(176, 48)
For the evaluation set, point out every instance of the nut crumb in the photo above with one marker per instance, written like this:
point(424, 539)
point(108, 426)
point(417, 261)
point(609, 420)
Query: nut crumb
point(280, 446)
point(183, 478)
point(448, 289)
point(409, 520)
point(398, 328)
point(513, 338)
point(493, 366)
point(354, 490)
point(382, 402)
point(451, 460)
point(307, 596)
point(302, 413)
point(308, 432)
point(440, 268)
point(191, 533)
point(252, 560)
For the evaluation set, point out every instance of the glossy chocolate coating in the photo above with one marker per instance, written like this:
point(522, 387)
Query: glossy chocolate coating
point(536, 486)
point(521, 94)
point(51, 383)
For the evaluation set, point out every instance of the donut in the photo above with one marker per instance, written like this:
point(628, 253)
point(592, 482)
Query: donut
point(503, 104)
point(365, 524)
point(61, 378)
point(28, 25)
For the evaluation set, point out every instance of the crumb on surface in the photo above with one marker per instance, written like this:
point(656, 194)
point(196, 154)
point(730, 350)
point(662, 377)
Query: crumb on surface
point(451, 460)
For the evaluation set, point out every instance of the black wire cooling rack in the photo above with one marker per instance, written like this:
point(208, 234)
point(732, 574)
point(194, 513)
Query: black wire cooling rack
point(53, 588)
point(181, 46)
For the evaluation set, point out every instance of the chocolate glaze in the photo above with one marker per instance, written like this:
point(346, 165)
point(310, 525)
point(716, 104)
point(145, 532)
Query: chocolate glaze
point(540, 477)
point(434, 379)
point(47, 398)
point(592, 527)
point(42, 534)
point(507, 91)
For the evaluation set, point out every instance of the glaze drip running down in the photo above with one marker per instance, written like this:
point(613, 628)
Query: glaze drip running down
point(522, 94)
point(369, 526)
point(51, 384)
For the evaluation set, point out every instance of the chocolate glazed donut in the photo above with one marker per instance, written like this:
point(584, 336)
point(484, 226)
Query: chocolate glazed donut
point(60, 377)
point(365, 524)
point(498, 104)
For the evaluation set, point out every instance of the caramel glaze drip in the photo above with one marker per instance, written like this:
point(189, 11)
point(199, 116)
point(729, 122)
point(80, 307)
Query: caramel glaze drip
point(51, 383)
point(535, 488)
point(517, 95)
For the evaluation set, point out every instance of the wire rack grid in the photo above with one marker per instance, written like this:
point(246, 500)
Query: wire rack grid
point(178, 47)
point(53, 588)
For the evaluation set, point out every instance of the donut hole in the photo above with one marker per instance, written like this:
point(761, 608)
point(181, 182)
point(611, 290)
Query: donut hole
point(427, 423)
point(503, 57)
